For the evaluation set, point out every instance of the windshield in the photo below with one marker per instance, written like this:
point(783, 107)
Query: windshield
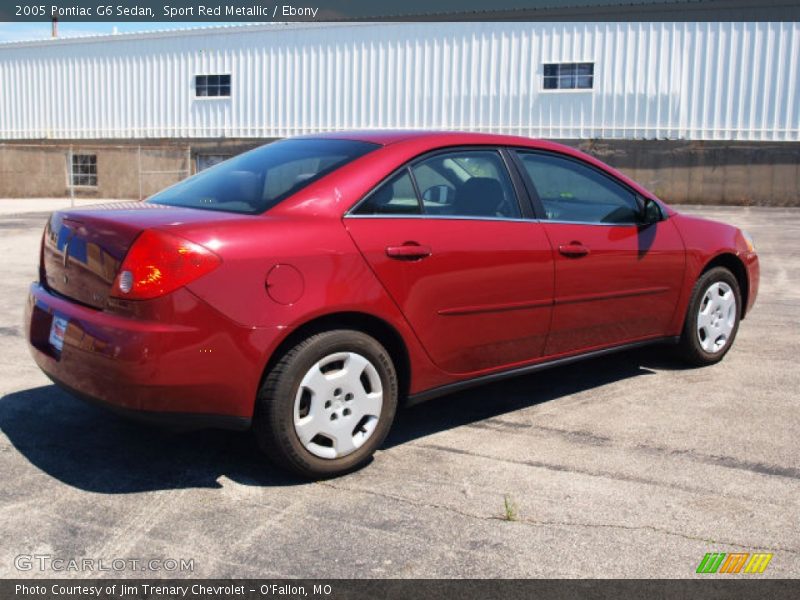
point(256, 181)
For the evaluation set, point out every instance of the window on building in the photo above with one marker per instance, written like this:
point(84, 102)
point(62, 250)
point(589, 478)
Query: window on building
point(212, 86)
point(568, 76)
point(84, 169)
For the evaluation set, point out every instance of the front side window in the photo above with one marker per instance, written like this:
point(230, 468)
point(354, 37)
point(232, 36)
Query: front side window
point(256, 181)
point(83, 170)
point(212, 85)
point(568, 76)
point(574, 192)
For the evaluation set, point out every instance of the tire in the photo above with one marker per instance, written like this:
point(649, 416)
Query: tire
point(702, 340)
point(329, 382)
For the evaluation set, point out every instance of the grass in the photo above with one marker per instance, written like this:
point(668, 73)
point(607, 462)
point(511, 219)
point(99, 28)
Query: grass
point(510, 509)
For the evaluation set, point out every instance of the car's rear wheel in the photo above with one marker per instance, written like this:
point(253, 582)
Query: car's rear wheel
point(327, 404)
point(712, 319)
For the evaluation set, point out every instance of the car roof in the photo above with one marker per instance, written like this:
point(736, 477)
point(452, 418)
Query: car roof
point(386, 137)
point(417, 142)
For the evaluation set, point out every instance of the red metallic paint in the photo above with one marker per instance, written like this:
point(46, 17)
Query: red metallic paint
point(624, 289)
point(481, 300)
point(182, 357)
point(706, 241)
point(285, 284)
point(492, 295)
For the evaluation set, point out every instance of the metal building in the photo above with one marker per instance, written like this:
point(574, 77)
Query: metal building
point(188, 98)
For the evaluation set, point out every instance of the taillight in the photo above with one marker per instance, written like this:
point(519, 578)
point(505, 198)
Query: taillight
point(159, 263)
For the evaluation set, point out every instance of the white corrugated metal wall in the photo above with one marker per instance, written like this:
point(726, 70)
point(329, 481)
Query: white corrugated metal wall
point(712, 81)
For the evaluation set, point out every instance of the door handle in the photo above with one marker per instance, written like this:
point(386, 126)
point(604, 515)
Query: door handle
point(408, 251)
point(573, 250)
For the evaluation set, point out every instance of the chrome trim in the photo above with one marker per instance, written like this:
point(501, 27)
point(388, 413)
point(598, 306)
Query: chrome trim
point(441, 218)
point(458, 218)
point(560, 222)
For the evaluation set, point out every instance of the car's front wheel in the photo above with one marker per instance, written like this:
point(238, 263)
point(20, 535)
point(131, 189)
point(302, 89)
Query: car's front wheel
point(327, 404)
point(712, 319)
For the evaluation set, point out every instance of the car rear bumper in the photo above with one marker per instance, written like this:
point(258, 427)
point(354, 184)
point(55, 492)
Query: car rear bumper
point(196, 371)
point(180, 421)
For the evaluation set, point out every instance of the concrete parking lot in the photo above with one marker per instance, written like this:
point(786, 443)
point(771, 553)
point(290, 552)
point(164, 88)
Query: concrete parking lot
point(625, 466)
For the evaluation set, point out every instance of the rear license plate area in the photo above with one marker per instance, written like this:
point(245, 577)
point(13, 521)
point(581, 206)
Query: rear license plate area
point(58, 331)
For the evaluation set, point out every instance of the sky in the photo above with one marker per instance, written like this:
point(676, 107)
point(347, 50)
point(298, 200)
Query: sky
point(15, 32)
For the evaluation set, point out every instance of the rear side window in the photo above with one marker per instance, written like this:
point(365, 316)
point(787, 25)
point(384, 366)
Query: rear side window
point(256, 181)
point(395, 197)
point(467, 183)
point(462, 183)
point(571, 191)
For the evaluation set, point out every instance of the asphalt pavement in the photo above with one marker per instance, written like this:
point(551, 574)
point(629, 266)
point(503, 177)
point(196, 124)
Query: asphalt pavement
point(624, 466)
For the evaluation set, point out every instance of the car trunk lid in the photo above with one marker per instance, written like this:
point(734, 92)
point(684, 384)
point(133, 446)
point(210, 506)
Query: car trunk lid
point(84, 248)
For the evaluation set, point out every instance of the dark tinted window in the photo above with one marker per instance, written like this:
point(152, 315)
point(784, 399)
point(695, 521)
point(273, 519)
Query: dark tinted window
point(258, 180)
point(568, 76)
point(466, 183)
point(84, 169)
point(212, 85)
point(395, 197)
point(571, 191)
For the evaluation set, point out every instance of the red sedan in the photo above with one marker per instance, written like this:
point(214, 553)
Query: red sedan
point(309, 285)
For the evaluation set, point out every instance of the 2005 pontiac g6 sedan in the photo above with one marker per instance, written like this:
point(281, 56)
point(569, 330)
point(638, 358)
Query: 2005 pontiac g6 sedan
point(307, 286)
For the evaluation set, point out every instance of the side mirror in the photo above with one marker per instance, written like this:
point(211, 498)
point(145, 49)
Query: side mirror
point(651, 212)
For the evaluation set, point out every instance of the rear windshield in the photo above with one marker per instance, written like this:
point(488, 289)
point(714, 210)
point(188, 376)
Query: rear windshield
point(258, 180)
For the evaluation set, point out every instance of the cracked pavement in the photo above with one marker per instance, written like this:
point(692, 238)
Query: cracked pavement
point(623, 466)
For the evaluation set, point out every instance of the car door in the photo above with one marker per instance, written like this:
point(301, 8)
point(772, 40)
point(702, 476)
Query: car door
point(447, 239)
point(616, 279)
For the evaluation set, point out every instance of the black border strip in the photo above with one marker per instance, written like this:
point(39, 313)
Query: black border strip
point(409, 10)
point(709, 587)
